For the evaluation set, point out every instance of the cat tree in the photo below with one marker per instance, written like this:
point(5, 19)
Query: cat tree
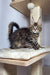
point(36, 61)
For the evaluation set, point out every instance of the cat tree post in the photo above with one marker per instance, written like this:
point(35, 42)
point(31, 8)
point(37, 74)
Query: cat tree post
point(36, 69)
point(35, 16)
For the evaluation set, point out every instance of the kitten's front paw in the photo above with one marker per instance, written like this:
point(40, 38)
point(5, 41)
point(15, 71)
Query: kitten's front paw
point(37, 47)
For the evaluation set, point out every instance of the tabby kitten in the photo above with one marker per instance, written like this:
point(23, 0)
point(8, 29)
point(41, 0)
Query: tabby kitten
point(24, 37)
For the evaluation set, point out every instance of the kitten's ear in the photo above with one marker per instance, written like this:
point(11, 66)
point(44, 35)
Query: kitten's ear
point(39, 21)
point(32, 22)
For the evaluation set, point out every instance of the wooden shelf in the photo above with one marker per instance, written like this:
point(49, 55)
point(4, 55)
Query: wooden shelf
point(21, 6)
point(23, 62)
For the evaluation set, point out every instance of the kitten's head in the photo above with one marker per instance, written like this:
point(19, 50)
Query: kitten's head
point(36, 27)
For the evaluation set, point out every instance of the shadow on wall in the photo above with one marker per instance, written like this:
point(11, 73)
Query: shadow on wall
point(46, 18)
point(46, 30)
point(46, 37)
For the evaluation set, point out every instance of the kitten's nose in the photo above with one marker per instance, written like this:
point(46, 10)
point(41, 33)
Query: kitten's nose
point(35, 24)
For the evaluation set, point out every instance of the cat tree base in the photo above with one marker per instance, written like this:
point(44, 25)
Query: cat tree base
point(36, 69)
point(10, 65)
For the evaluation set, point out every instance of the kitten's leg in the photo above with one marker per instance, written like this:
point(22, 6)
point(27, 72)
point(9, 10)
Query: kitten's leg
point(26, 45)
point(14, 46)
point(35, 45)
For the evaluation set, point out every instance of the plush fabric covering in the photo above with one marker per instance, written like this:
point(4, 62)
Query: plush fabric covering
point(21, 53)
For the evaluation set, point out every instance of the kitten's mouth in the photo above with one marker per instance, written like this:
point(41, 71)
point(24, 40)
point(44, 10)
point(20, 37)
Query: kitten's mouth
point(35, 31)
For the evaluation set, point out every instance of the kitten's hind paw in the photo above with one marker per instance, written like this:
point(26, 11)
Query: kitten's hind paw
point(36, 48)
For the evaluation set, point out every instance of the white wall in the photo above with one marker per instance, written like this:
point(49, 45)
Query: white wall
point(8, 14)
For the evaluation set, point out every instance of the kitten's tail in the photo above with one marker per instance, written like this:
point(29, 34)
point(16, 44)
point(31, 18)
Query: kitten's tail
point(10, 30)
